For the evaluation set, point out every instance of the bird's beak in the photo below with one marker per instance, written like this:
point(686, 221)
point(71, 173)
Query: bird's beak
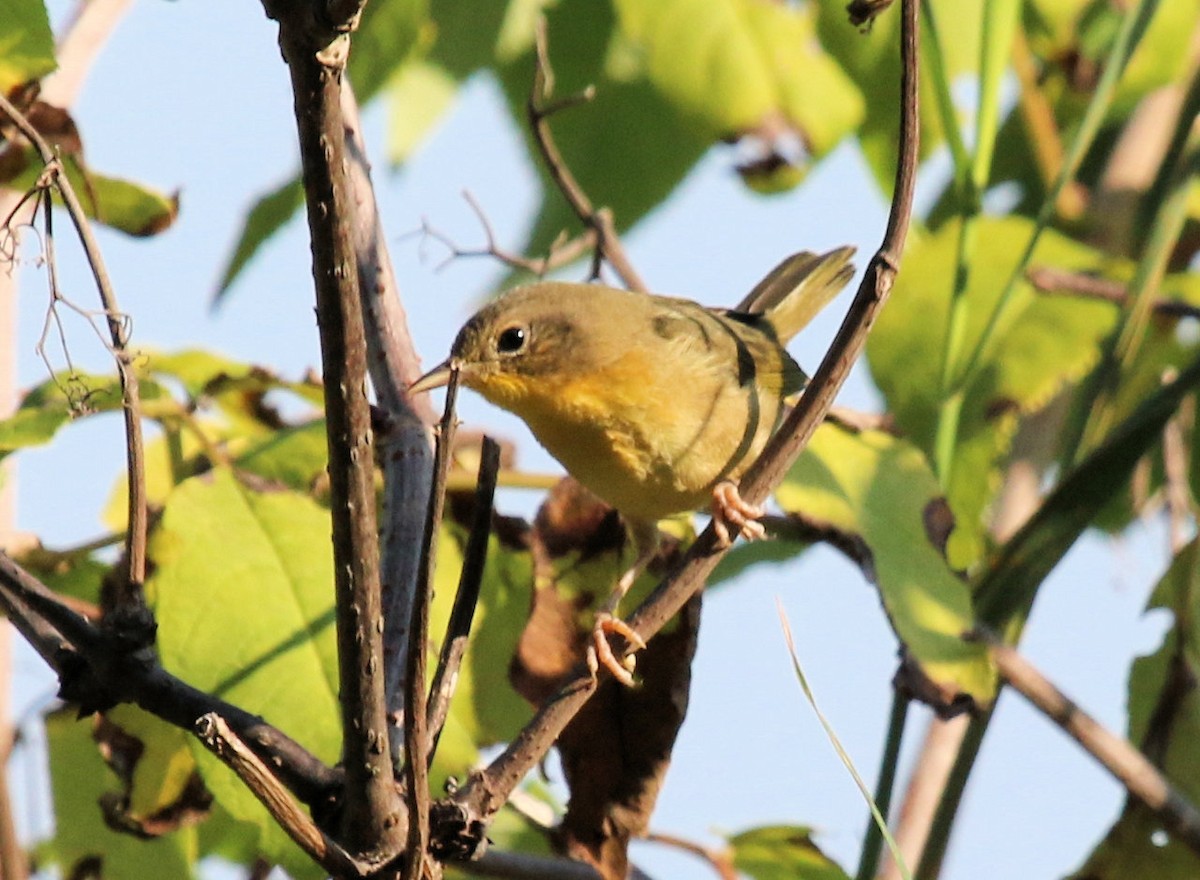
point(435, 378)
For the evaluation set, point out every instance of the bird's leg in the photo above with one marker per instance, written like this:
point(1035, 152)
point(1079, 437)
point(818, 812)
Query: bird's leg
point(645, 541)
point(728, 509)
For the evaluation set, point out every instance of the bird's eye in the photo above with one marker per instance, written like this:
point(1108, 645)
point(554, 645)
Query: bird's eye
point(512, 340)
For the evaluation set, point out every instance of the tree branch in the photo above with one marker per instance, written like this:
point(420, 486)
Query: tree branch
point(540, 107)
point(403, 443)
point(126, 677)
point(212, 730)
point(315, 48)
point(462, 613)
point(416, 735)
point(129, 590)
point(1117, 755)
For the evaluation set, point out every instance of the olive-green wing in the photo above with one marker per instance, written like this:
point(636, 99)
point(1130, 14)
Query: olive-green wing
point(799, 287)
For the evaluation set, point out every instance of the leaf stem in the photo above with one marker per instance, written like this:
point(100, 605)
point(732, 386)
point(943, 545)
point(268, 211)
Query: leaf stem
point(1132, 26)
point(873, 841)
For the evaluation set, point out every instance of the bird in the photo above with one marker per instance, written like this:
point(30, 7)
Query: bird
point(656, 404)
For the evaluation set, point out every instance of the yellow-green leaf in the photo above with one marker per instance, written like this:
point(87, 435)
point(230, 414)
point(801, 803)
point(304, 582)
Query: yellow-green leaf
point(879, 490)
point(1047, 343)
point(243, 591)
point(26, 43)
point(78, 778)
point(782, 852)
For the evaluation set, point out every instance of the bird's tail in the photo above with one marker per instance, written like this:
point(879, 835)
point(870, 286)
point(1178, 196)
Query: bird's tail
point(799, 287)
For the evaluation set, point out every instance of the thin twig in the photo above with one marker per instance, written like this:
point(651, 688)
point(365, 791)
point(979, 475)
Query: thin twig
point(315, 50)
point(718, 860)
point(540, 107)
point(416, 735)
point(1049, 279)
point(1117, 755)
point(462, 614)
point(212, 730)
point(1177, 495)
point(485, 792)
point(129, 592)
point(559, 254)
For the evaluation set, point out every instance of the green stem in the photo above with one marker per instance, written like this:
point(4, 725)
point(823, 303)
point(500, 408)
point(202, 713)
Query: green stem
point(939, 78)
point(947, 809)
point(970, 180)
point(1131, 29)
point(996, 38)
point(873, 842)
point(1093, 412)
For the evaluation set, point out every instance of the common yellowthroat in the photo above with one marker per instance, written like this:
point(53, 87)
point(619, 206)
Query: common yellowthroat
point(655, 404)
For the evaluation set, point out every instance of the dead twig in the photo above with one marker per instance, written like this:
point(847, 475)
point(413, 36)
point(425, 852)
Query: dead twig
point(416, 735)
point(470, 580)
point(129, 592)
point(561, 253)
point(1116, 754)
point(217, 736)
point(540, 107)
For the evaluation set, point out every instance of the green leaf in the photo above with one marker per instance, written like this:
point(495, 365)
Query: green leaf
point(597, 139)
point(1164, 717)
point(131, 207)
point(1050, 341)
point(417, 97)
point(485, 704)
point(782, 852)
point(879, 492)
point(243, 592)
point(78, 779)
point(736, 65)
point(872, 60)
point(1006, 589)
point(388, 34)
point(164, 766)
point(268, 215)
point(295, 457)
point(26, 43)
point(471, 36)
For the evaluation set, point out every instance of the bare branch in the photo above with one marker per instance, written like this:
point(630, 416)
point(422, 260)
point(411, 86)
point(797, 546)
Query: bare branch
point(130, 591)
point(220, 739)
point(1049, 279)
point(403, 444)
point(1117, 755)
point(416, 736)
point(123, 676)
point(470, 580)
point(561, 253)
point(540, 107)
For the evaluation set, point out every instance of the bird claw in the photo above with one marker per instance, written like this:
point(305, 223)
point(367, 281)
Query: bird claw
point(600, 653)
point(728, 509)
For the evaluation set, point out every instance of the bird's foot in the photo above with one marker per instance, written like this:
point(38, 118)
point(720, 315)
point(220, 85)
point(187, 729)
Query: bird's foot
point(728, 509)
point(600, 653)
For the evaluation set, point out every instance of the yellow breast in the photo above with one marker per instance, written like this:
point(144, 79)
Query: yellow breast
point(650, 439)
